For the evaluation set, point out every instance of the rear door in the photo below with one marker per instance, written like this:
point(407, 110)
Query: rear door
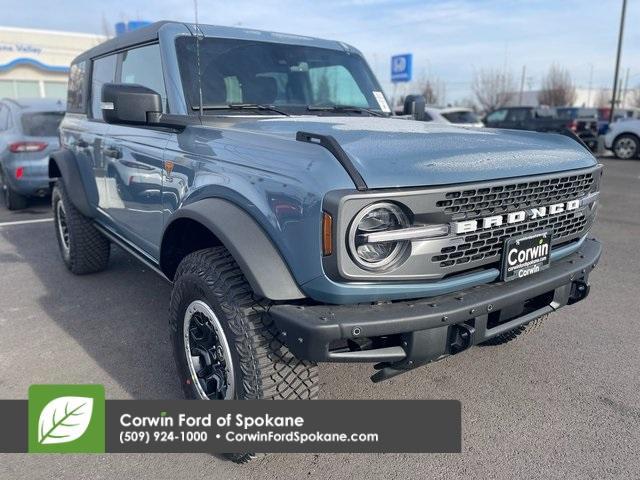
point(134, 158)
point(519, 118)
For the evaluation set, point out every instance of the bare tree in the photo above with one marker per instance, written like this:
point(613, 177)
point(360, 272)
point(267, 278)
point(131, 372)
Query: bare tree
point(466, 102)
point(557, 88)
point(493, 88)
point(433, 90)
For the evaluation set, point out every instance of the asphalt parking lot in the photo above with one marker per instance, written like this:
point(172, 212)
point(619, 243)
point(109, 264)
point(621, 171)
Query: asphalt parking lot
point(561, 403)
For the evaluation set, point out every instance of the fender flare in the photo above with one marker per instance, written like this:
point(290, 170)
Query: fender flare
point(63, 164)
point(249, 244)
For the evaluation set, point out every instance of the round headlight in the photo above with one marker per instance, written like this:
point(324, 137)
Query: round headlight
point(378, 217)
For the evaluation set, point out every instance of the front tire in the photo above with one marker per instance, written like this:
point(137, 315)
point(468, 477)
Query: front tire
point(225, 344)
point(626, 147)
point(82, 247)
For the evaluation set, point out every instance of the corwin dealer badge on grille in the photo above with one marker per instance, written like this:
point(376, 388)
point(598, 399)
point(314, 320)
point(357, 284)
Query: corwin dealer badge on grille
point(525, 255)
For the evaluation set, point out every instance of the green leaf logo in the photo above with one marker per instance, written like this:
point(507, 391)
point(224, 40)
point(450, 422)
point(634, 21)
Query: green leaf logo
point(64, 419)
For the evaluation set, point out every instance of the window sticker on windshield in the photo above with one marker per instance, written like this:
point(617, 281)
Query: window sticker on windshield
point(382, 102)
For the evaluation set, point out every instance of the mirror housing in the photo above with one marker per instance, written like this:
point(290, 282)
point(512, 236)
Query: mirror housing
point(129, 104)
point(414, 105)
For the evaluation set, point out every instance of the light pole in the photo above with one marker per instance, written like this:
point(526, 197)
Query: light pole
point(615, 76)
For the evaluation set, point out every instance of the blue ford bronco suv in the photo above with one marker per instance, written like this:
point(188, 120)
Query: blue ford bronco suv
point(263, 175)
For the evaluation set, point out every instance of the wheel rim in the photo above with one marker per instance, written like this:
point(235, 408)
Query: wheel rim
point(63, 229)
point(625, 148)
point(207, 353)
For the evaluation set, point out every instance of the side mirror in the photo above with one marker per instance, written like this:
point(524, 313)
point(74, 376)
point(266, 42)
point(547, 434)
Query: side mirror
point(129, 104)
point(414, 105)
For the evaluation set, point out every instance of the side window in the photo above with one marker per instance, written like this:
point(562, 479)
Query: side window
point(518, 115)
point(143, 66)
point(497, 116)
point(76, 88)
point(104, 71)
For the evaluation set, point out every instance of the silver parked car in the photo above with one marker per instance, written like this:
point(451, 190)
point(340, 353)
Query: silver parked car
point(28, 134)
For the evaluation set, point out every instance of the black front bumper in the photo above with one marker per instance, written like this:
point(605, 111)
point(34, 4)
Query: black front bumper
point(411, 333)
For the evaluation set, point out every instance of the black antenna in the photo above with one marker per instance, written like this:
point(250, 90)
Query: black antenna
point(195, 4)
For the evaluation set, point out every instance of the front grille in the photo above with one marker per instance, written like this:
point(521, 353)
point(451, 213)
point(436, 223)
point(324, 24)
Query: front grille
point(487, 245)
point(432, 259)
point(482, 202)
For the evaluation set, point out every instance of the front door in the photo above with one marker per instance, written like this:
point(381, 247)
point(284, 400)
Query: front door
point(134, 158)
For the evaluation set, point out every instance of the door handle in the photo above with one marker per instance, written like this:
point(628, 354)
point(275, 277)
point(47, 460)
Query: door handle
point(112, 152)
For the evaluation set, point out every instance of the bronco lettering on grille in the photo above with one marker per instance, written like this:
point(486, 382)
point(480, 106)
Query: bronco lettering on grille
point(513, 217)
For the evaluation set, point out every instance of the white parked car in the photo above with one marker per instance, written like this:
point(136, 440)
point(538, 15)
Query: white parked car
point(455, 115)
point(623, 138)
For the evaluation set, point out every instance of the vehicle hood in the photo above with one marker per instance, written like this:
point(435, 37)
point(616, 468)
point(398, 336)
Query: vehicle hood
point(392, 152)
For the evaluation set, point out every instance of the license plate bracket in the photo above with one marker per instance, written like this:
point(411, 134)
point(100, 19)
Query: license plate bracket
point(525, 255)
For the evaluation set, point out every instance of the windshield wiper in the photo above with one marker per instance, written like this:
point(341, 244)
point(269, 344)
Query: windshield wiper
point(344, 108)
point(241, 106)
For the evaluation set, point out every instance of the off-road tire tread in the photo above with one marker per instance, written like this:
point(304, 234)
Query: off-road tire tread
point(89, 252)
point(517, 332)
point(268, 369)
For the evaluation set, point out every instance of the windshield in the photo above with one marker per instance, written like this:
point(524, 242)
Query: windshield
point(462, 116)
point(290, 77)
point(41, 124)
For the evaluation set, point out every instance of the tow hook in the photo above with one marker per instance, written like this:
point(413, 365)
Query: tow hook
point(426, 346)
point(579, 291)
point(461, 338)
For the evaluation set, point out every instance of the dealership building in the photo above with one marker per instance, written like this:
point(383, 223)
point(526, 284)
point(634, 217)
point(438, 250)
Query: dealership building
point(35, 63)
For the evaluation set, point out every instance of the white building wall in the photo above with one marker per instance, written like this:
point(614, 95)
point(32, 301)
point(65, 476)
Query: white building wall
point(36, 62)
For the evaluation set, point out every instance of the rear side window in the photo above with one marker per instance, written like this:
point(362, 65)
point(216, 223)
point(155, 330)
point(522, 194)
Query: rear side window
point(76, 89)
point(518, 115)
point(143, 66)
point(41, 124)
point(104, 71)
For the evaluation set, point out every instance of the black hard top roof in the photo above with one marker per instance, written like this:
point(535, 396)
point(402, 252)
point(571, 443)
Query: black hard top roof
point(141, 35)
point(150, 34)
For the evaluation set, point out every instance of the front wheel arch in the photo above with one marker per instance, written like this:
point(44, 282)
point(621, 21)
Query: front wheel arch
point(215, 222)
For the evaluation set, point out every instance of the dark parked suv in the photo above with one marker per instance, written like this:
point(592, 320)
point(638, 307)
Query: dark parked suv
point(568, 121)
point(299, 223)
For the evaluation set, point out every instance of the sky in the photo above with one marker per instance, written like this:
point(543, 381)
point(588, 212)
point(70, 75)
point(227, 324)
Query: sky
point(449, 39)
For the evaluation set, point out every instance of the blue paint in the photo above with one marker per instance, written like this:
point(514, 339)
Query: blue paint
point(33, 63)
point(392, 153)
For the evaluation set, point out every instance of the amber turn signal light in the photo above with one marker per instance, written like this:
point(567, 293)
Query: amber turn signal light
point(327, 234)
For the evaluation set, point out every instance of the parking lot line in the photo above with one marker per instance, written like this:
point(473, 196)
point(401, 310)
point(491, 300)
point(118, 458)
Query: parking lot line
point(25, 222)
